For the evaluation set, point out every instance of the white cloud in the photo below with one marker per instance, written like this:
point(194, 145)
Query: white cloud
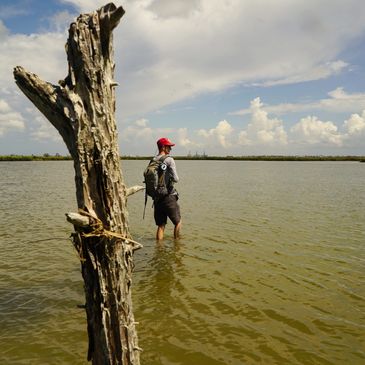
point(42, 54)
point(139, 136)
point(310, 130)
point(173, 8)
point(316, 72)
point(88, 5)
point(4, 107)
point(8, 11)
point(264, 134)
point(220, 135)
point(339, 101)
point(141, 122)
point(9, 119)
point(60, 22)
point(139, 130)
point(43, 130)
point(262, 129)
point(183, 140)
point(355, 125)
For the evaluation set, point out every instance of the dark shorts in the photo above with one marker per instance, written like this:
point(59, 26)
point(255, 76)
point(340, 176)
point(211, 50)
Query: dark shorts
point(167, 207)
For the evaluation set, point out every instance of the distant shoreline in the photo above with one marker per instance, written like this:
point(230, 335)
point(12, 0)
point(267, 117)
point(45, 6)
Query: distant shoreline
point(47, 157)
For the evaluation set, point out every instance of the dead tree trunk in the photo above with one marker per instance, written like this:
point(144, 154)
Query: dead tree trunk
point(82, 109)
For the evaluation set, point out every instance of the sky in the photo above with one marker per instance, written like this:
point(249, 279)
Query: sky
point(220, 77)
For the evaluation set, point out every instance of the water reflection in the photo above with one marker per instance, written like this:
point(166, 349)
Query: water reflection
point(158, 296)
point(159, 280)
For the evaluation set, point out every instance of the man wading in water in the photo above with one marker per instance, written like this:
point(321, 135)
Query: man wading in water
point(167, 206)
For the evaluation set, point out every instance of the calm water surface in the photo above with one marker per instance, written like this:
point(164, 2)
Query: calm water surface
point(270, 268)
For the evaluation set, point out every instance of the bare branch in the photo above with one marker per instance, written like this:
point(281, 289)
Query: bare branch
point(53, 101)
point(78, 220)
point(133, 189)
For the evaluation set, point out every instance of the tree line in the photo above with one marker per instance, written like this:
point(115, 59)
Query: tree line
point(58, 157)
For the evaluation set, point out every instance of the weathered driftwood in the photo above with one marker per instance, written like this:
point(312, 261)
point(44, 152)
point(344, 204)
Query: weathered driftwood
point(133, 190)
point(82, 109)
point(78, 220)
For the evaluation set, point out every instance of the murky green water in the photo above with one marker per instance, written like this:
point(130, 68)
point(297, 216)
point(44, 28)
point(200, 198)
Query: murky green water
point(270, 268)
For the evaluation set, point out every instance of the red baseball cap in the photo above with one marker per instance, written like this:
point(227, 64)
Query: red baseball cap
point(164, 142)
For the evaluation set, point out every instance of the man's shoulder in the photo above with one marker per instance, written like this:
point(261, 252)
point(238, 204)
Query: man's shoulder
point(169, 161)
point(161, 157)
point(165, 158)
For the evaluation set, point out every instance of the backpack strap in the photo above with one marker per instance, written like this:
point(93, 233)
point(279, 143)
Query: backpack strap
point(163, 158)
point(145, 203)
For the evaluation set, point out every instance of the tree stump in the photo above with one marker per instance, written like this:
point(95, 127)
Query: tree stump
point(82, 109)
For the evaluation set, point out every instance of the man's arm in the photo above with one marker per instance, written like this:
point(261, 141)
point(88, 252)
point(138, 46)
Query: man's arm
point(170, 162)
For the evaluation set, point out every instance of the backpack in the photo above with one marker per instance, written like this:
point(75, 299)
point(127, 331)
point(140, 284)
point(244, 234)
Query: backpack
point(156, 179)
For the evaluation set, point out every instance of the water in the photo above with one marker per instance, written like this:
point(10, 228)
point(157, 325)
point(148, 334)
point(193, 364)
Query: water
point(269, 270)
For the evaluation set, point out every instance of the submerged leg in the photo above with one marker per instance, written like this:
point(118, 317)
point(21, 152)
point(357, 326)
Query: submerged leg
point(160, 232)
point(177, 230)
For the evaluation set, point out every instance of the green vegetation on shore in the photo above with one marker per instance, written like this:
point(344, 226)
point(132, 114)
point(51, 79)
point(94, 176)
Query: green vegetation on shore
point(45, 157)
point(57, 157)
point(257, 158)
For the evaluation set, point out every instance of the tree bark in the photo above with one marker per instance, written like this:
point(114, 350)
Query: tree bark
point(82, 109)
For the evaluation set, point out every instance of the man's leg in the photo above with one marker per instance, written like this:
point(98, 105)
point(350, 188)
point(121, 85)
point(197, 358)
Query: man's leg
point(173, 212)
point(160, 232)
point(177, 230)
point(160, 219)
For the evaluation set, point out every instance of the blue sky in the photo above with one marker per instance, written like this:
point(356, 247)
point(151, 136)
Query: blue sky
point(233, 77)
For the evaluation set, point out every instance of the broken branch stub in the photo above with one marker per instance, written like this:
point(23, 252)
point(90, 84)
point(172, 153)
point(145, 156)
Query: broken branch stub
point(82, 109)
